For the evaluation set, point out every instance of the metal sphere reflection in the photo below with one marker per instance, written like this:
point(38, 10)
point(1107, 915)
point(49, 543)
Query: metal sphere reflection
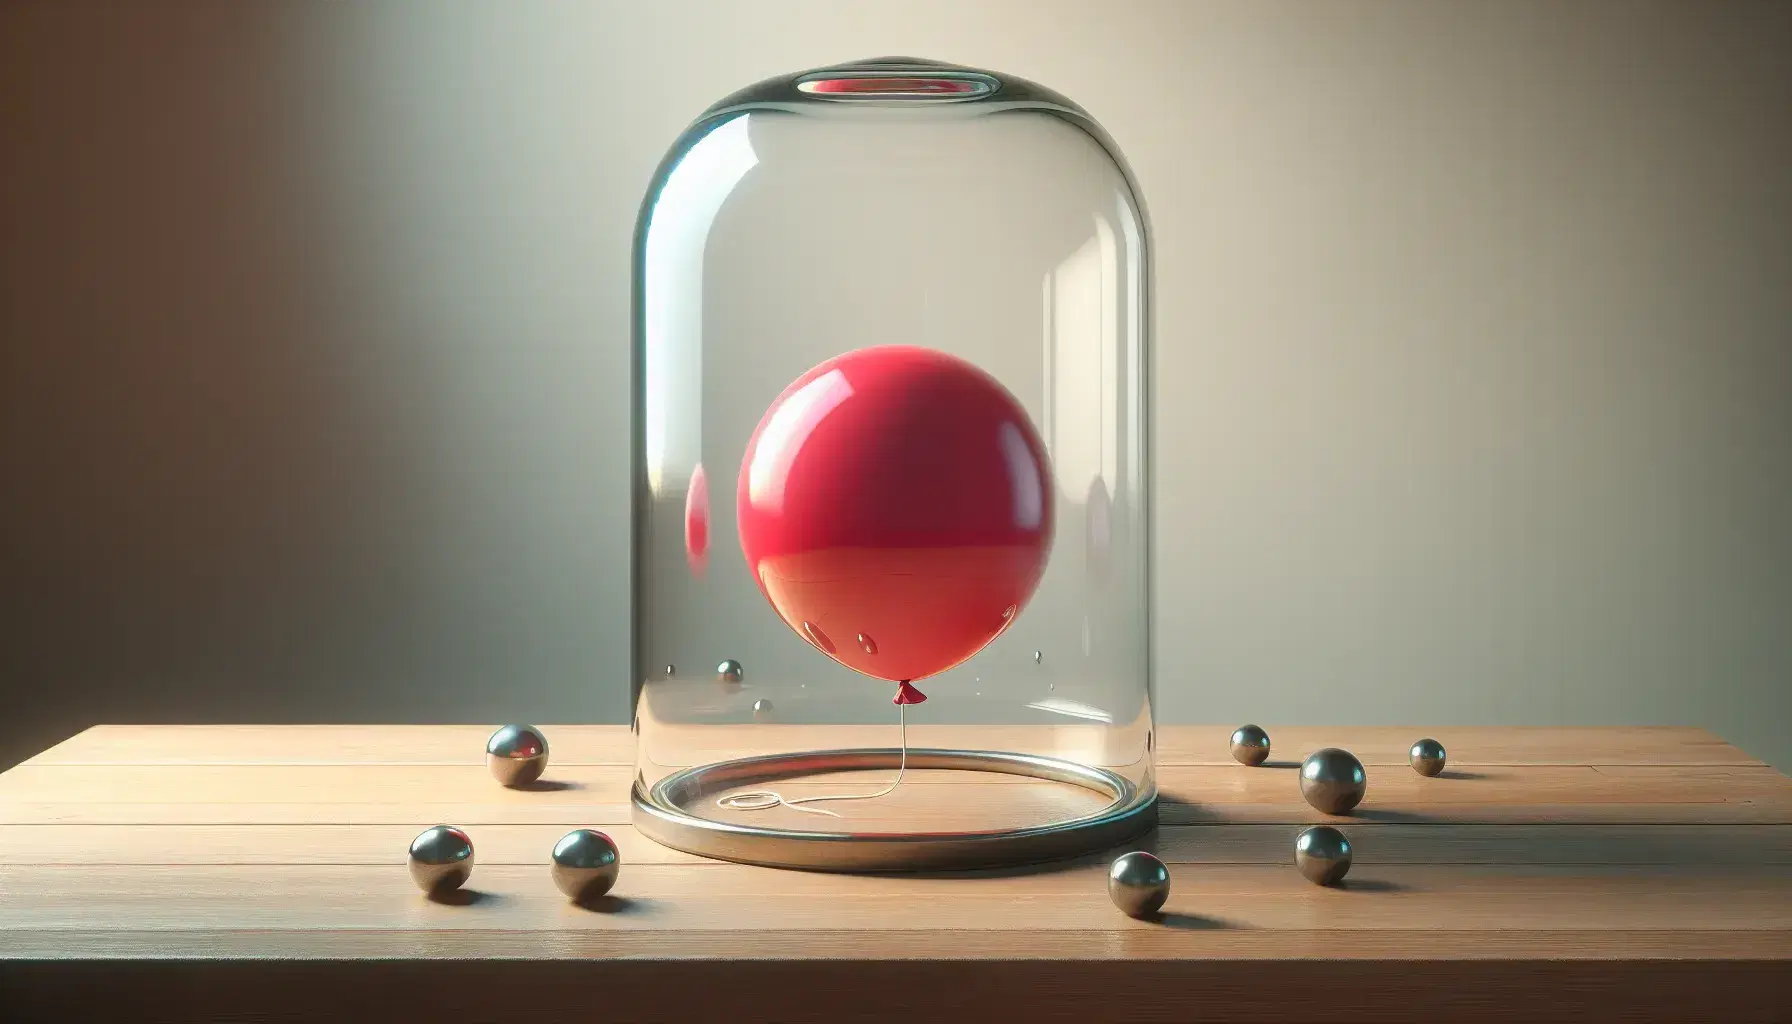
point(1333, 780)
point(1427, 757)
point(441, 859)
point(1250, 745)
point(1138, 883)
point(516, 755)
point(1322, 854)
point(585, 864)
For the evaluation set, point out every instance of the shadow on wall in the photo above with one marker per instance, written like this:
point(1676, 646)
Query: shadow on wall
point(189, 462)
point(225, 499)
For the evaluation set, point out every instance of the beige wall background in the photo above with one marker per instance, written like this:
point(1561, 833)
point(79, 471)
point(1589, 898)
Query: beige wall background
point(1473, 352)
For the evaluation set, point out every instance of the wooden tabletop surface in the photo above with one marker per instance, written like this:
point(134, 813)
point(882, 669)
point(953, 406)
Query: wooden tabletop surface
point(257, 872)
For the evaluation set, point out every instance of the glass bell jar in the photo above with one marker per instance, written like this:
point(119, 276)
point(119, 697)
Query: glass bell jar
point(891, 552)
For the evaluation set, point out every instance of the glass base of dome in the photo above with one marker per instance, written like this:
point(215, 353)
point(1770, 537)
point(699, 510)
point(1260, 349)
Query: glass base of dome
point(1115, 810)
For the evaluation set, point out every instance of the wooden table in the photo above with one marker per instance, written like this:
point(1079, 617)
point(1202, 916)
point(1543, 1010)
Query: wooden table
point(256, 872)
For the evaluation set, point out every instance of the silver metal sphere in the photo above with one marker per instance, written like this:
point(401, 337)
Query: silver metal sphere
point(441, 859)
point(730, 671)
point(1138, 883)
point(1427, 757)
point(1322, 854)
point(1333, 780)
point(585, 864)
point(1250, 745)
point(517, 754)
point(762, 708)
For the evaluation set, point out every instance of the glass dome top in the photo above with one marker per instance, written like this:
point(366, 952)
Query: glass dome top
point(989, 227)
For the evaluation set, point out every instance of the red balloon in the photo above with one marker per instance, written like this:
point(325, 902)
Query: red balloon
point(895, 506)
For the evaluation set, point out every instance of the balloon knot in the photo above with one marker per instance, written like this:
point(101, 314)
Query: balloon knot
point(906, 694)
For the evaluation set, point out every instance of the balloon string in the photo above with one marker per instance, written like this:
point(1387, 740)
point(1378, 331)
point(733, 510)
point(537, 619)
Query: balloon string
point(764, 799)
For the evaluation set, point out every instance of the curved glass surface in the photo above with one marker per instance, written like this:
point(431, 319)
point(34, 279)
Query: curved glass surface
point(891, 203)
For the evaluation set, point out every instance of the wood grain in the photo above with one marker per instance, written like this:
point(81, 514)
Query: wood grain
point(614, 745)
point(678, 898)
point(1387, 746)
point(1184, 941)
point(256, 873)
point(324, 745)
point(1374, 843)
point(598, 795)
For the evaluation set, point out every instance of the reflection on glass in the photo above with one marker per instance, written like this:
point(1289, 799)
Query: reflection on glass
point(677, 229)
point(1083, 321)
